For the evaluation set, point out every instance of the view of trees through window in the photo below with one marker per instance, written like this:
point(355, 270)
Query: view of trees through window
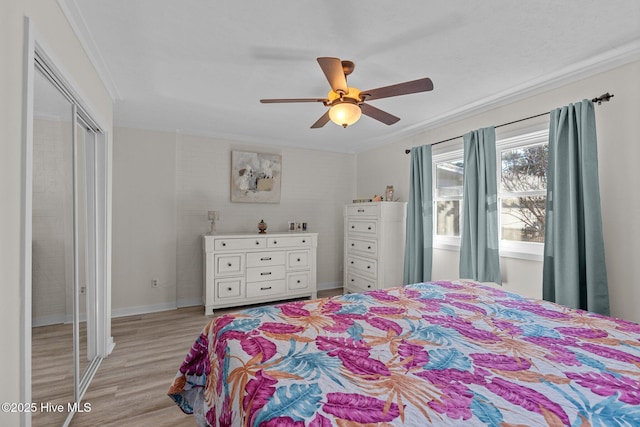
point(523, 193)
point(522, 188)
point(448, 197)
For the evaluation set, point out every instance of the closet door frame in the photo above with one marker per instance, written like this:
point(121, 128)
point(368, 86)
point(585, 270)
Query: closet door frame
point(36, 51)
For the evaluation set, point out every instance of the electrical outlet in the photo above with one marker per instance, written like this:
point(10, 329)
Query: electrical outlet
point(154, 283)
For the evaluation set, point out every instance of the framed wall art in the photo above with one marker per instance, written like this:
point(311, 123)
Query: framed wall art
point(255, 177)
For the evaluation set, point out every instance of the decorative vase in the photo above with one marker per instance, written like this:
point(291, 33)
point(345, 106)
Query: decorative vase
point(262, 226)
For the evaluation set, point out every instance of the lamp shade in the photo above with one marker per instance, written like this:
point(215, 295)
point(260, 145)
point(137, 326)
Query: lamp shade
point(345, 113)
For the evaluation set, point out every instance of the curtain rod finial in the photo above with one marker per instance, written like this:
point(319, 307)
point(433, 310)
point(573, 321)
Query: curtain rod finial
point(603, 98)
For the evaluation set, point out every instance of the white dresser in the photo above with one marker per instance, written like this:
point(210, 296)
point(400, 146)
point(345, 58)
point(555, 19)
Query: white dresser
point(374, 245)
point(242, 269)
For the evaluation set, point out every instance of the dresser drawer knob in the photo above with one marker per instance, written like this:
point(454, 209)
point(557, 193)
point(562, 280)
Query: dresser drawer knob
point(353, 244)
point(361, 210)
point(353, 280)
point(224, 244)
point(304, 241)
point(266, 273)
point(275, 242)
point(368, 247)
point(353, 226)
point(266, 258)
point(351, 262)
point(266, 288)
point(257, 243)
point(368, 228)
point(229, 264)
point(229, 289)
point(298, 259)
point(298, 281)
point(368, 266)
point(369, 286)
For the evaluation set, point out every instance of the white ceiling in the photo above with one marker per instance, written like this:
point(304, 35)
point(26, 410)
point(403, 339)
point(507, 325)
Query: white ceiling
point(200, 66)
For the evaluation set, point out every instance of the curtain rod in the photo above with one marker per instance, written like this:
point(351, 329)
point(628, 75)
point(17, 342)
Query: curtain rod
point(599, 100)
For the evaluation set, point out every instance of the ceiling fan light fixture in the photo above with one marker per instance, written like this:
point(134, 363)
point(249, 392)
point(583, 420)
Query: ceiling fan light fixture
point(345, 113)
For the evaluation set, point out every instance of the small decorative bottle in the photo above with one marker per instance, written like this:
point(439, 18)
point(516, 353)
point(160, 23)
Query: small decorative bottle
point(262, 226)
point(388, 193)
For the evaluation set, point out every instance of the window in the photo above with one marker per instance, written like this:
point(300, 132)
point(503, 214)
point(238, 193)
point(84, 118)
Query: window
point(522, 187)
point(448, 172)
point(522, 193)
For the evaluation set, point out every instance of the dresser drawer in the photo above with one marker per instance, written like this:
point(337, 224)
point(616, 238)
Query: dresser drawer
point(364, 210)
point(229, 288)
point(298, 281)
point(271, 287)
point(259, 259)
point(228, 264)
point(289, 241)
point(298, 259)
point(364, 227)
point(363, 266)
point(260, 274)
point(360, 284)
point(226, 244)
point(367, 247)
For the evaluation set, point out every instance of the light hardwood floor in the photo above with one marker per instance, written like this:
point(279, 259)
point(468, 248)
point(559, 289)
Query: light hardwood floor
point(130, 387)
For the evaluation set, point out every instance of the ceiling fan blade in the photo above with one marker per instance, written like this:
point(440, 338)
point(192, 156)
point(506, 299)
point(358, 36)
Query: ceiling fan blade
point(378, 114)
point(414, 86)
point(333, 71)
point(280, 100)
point(321, 121)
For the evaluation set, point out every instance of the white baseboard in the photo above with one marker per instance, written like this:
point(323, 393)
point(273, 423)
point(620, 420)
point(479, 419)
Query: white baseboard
point(55, 319)
point(189, 302)
point(110, 346)
point(328, 285)
point(142, 309)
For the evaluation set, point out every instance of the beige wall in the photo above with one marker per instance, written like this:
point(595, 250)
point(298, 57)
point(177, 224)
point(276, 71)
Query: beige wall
point(59, 41)
point(618, 127)
point(164, 184)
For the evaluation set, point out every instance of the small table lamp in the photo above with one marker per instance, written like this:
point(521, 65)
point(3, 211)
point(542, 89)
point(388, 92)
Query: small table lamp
point(213, 217)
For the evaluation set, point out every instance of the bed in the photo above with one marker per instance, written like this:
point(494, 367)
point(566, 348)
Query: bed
point(436, 353)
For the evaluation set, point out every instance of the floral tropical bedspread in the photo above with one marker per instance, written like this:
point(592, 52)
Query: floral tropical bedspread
point(437, 353)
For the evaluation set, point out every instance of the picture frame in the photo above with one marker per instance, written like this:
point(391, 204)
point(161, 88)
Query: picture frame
point(255, 177)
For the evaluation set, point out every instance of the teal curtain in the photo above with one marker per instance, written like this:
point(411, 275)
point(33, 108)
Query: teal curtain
point(479, 257)
point(574, 271)
point(419, 234)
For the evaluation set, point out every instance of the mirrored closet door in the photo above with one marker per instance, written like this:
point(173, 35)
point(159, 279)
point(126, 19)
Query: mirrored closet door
point(68, 247)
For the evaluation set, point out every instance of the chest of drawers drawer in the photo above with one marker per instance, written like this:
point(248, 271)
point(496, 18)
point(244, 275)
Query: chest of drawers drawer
point(372, 210)
point(363, 266)
point(356, 283)
point(260, 274)
point(363, 227)
point(298, 259)
point(229, 288)
point(228, 264)
point(289, 241)
point(298, 281)
point(259, 259)
point(259, 289)
point(226, 244)
point(367, 247)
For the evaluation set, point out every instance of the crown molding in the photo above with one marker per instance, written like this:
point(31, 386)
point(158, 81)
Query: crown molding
point(609, 60)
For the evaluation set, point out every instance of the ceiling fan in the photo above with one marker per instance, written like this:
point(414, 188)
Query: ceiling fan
point(346, 104)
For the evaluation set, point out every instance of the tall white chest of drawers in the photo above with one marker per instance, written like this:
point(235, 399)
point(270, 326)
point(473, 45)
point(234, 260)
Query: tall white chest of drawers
point(242, 269)
point(374, 245)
